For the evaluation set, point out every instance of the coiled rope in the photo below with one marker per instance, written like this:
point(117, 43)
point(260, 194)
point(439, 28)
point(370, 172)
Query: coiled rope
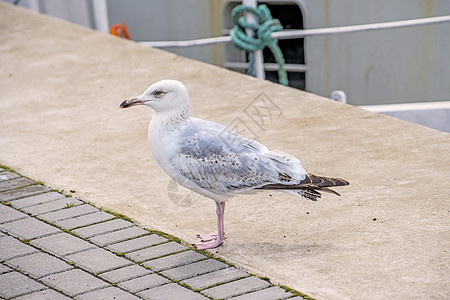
point(263, 30)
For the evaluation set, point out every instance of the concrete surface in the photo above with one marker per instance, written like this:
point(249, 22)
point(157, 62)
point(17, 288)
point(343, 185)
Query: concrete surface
point(56, 259)
point(386, 237)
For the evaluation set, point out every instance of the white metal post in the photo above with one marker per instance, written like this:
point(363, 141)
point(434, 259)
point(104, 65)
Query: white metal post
point(101, 15)
point(258, 65)
point(34, 5)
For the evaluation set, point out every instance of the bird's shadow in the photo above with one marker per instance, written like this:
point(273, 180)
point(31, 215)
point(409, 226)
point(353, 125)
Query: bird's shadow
point(285, 251)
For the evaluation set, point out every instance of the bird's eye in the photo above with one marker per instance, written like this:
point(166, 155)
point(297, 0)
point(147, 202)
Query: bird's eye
point(158, 93)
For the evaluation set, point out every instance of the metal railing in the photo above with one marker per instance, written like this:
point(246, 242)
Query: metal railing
point(291, 34)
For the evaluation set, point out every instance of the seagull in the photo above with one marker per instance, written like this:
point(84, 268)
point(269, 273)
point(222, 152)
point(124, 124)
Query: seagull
point(215, 161)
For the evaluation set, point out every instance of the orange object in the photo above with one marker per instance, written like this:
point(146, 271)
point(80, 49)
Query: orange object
point(120, 30)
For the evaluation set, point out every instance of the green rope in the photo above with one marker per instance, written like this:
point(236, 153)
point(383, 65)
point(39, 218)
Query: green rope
point(267, 25)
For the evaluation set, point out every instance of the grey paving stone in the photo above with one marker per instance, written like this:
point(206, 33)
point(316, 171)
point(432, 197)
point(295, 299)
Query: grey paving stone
point(97, 260)
point(22, 192)
point(155, 251)
point(84, 220)
point(214, 278)
point(174, 260)
point(15, 183)
point(7, 243)
point(137, 243)
point(39, 264)
point(36, 199)
point(68, 213)
point(107, 293)
point(74, 282)
point(10, 214)
point(236, 287)
point(125, 273)
point(273, 292)
point(169, 292)
point(44, 295)
point(51, 206)
point(28, 228)
point(143, 283)
point(118, 236)
point(194, 269)
point(7, 175)
point(101, 228)
point(62, 244)
point(14, 284)
point(4, 269)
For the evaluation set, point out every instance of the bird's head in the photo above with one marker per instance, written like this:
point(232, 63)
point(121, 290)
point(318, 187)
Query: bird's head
point(162, 96)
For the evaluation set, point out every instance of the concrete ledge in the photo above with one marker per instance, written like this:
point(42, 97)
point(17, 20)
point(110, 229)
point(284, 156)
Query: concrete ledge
point(386, 237)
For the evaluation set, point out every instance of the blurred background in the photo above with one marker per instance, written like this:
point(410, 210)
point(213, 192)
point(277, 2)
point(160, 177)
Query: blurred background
point(403, 65)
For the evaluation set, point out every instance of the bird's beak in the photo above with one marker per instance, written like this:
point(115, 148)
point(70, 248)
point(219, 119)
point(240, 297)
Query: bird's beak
point(132, 102)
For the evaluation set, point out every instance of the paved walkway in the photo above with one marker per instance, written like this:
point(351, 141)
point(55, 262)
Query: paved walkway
point(58, 247)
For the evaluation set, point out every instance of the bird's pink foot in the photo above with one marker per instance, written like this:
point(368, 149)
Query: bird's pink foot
point(209, 245)
point(209, 240)
point(206, 237)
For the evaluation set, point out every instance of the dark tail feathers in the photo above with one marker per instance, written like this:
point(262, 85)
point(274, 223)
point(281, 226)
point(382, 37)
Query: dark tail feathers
point(308, 187)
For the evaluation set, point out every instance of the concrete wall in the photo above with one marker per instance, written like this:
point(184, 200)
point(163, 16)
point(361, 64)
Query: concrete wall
point(153, 20)
point(389, 66)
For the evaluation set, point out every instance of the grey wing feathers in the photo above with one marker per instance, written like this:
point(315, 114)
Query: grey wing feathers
point(224, 162)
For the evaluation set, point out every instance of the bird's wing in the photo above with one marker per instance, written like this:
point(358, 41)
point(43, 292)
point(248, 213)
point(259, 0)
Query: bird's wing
point(222, 161)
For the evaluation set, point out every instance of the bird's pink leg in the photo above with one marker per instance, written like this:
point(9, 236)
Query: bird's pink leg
point(215, 238)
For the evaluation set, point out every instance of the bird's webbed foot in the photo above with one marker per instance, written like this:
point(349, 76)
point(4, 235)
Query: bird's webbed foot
point(209, 240)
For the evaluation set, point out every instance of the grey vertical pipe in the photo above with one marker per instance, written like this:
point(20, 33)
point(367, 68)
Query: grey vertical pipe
point(258, 65)
point(101, 15)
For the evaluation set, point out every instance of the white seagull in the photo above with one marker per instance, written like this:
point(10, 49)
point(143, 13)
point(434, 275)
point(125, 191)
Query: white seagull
point(214, 161)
